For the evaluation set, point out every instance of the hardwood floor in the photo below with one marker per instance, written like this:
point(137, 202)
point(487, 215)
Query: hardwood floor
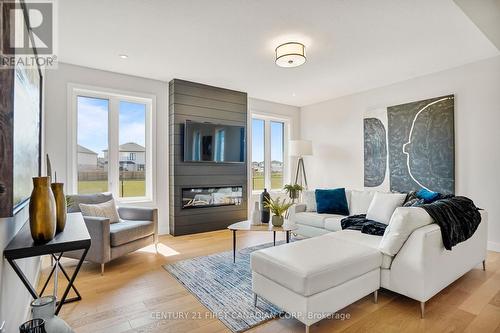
point(135, 290)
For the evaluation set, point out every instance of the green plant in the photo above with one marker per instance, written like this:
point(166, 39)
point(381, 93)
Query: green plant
point(293, 191)
point(277, 206)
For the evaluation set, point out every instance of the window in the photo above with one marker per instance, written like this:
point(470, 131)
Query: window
point(258, 154)
point(277, 156)
point(92, 144)
point(268, 153)
point(132, 140)
point(112, 145)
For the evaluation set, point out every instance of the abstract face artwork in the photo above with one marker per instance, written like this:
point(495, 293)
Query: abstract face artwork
point(420, 146)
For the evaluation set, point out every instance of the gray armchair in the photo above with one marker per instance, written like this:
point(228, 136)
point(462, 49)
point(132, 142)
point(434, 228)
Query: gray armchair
point(138, 227)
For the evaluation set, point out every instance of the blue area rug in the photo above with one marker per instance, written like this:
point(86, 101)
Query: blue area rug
point(225, 288)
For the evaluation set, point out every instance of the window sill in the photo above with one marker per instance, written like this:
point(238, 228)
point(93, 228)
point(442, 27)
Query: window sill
point(147, 201)
point(279, 191)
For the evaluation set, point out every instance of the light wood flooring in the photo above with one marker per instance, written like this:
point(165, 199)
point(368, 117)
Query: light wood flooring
point(135, 289)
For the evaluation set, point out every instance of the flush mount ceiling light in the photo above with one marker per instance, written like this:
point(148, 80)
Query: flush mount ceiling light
point(290, 54)
point(123, 56)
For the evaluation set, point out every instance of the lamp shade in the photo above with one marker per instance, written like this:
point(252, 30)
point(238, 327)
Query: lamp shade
point(300, 148)
point(290, 54)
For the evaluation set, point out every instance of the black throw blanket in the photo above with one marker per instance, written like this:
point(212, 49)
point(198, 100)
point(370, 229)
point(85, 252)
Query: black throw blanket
point(458, 218)
point(361, 223)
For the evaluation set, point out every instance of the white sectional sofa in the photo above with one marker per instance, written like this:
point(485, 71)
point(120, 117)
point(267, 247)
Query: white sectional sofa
point(311, 224)
point(315, 277)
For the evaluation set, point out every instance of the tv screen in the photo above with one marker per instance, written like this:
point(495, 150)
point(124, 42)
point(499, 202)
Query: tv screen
point(207, 142)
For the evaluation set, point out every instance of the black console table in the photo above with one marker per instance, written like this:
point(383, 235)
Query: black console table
point(74, 237)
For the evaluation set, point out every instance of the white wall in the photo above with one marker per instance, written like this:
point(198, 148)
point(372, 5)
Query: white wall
point(56, 101)
point(279, 110)
point(336, 129)
point(15, 298)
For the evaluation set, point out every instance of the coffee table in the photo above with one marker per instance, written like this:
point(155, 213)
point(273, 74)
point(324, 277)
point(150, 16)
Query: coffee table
point(248, 226)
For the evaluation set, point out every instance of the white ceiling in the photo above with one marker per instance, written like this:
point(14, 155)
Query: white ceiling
point(352, 45)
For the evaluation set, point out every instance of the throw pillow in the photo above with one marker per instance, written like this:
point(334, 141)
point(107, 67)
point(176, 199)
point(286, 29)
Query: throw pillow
point(428, 196)
point(106, 209)
point(383, 205)
point(360, 201)
point(310, 200)
point(332, 201)
point(404, 221)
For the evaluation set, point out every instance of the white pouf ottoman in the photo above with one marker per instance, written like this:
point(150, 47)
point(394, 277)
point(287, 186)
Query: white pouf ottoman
point(316, 277)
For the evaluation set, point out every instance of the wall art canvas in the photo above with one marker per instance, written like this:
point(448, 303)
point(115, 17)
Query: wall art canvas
point(27, 84)
point(20, 119)
point(411, 146)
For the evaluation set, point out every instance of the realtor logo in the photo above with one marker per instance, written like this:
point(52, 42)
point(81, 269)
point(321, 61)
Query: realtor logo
point(27, 30)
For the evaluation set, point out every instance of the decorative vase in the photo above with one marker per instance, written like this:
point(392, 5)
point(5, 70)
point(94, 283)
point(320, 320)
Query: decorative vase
point(264, 212)
point(58, 190)
point(256, 214)
point(36, 325)
point(277, 221)
point(42, 211)
point(44, 308)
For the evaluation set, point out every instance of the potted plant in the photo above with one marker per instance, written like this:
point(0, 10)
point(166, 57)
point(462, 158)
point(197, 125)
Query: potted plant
point(293, 191)
point(278, 207)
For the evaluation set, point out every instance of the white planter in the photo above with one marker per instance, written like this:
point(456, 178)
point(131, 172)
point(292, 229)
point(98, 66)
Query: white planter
point(255, 218)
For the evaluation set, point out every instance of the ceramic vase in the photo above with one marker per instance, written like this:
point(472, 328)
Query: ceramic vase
point(42, 211)
point(58, 190)
point(277, 221)
point(264, 212)
point(44, 308)
point(256, 214)
point(36, 325)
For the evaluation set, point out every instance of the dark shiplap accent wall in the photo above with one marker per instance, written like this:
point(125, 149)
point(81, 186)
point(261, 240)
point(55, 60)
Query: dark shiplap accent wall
point(202, 103)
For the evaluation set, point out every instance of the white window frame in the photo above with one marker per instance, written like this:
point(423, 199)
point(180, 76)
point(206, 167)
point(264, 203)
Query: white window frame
point(114, 97)
point(267, 118)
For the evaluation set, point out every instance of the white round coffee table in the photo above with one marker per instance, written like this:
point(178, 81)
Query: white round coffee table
point(248, 226)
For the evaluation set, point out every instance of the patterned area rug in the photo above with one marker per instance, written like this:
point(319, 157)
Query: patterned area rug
point(225, 288)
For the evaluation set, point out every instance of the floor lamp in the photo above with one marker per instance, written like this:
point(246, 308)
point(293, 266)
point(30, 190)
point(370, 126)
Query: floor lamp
point(300, 148)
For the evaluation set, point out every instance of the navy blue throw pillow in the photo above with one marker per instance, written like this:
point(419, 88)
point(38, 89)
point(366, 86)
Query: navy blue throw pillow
point(332, 201)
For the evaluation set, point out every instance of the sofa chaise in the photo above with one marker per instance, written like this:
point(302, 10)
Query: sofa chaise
point(313, 278)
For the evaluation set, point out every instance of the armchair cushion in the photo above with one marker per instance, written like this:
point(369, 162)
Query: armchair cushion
point(127, 231)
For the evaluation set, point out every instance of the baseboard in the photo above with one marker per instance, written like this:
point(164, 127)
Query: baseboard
point(494, 246)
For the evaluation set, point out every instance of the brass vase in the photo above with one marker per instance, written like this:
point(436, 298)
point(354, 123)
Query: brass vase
point(42, 211)
point(58, 190)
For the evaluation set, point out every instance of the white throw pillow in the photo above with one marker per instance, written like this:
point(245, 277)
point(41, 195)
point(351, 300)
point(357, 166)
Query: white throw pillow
point(106, 209)
point(309, 198)
point(404, 221)
point(383, 205)
point(360, 201)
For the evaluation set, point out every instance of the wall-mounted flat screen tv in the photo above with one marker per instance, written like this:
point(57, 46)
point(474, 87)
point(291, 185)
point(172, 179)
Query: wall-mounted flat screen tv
point(217, 143)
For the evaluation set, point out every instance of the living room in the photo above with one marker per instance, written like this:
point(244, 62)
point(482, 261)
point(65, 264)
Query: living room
point(234, 166)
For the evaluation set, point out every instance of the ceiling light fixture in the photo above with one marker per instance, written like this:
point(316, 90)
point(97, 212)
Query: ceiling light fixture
point(290, 54)
point(123, 56)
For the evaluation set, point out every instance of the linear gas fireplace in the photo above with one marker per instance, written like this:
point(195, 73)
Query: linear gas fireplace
point(202, 197)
